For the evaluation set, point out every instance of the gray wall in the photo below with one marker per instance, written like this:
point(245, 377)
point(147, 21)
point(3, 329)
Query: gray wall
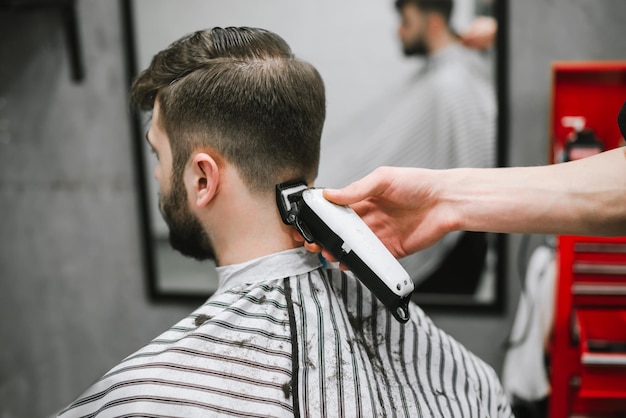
point(72, 298)
point(72, 291)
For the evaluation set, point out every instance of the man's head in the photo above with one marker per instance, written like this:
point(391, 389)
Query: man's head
point(423, 23)
point(229, 97)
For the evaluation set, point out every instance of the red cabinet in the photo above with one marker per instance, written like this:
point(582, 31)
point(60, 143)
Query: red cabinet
point(588, 350)
point(593, 92)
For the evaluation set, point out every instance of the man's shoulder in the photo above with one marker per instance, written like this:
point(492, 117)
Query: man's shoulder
point(461, 67)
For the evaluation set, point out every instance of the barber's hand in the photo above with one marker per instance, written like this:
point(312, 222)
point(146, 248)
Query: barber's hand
point(316, 248)
point(481, 33)
point(400, 205)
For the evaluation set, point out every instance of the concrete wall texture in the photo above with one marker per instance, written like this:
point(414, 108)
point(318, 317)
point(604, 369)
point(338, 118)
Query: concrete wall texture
point(73, 296)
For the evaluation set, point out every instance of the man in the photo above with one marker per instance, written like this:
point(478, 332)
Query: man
point(233, 114)
point(444, 117)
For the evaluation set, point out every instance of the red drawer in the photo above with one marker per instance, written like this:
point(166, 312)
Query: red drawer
point(603, 353)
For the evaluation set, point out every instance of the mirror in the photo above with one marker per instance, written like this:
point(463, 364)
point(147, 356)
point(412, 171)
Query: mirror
point(355, 46)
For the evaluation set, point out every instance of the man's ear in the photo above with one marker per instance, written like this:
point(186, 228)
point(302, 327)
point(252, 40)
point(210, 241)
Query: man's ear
point(204, 177)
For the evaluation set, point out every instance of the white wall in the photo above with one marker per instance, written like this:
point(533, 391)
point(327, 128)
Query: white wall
point(352, 43)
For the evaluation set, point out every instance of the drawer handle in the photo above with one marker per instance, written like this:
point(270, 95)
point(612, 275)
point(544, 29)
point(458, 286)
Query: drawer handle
point(594, 359)
point(600, 248)
point(598, 289)
point(599, 268)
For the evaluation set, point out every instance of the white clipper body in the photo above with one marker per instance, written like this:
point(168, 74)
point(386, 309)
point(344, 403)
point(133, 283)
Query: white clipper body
point(342, 232)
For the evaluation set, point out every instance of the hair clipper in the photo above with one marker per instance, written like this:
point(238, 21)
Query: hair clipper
point(342, 232)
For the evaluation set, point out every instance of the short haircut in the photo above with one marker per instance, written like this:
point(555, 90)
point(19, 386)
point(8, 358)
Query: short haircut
point(241, 93)
point(442, 7)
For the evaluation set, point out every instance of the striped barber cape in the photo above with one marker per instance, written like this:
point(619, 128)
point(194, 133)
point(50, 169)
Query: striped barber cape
point(284, 337)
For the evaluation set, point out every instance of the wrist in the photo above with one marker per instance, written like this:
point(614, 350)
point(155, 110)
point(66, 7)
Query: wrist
point(453, 199)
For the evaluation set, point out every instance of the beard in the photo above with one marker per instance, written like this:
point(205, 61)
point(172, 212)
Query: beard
point(187, 234)
point(416, 47)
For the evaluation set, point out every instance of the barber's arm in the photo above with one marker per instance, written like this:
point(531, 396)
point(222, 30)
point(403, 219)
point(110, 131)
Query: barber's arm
point(410, 209)
point(584, 197)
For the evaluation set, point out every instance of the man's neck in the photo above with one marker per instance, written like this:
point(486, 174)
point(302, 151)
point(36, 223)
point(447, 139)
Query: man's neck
point(441, 42)
point(243, 227)
point(249, 240)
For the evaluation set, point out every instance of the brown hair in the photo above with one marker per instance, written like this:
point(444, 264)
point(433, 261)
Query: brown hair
point(241, 93)
point(443, 7)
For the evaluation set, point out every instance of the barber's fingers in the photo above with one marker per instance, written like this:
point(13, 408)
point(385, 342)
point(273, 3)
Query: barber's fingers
point(311, 246)
point(481, 33)
point(371, 185)
point(315, 248)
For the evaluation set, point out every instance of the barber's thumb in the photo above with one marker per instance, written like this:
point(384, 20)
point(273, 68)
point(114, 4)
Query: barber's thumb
point(352, 193)
point(345, 196)
point(333, 195)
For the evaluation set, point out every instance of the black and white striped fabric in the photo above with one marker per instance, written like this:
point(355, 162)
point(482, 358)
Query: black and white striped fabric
point(443, 116)
point(286, 337)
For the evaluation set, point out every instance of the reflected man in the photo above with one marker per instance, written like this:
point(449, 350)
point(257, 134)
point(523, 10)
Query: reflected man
point(444, 117)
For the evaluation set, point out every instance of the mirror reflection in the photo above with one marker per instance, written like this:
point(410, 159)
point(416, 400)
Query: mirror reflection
point(406, 85)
